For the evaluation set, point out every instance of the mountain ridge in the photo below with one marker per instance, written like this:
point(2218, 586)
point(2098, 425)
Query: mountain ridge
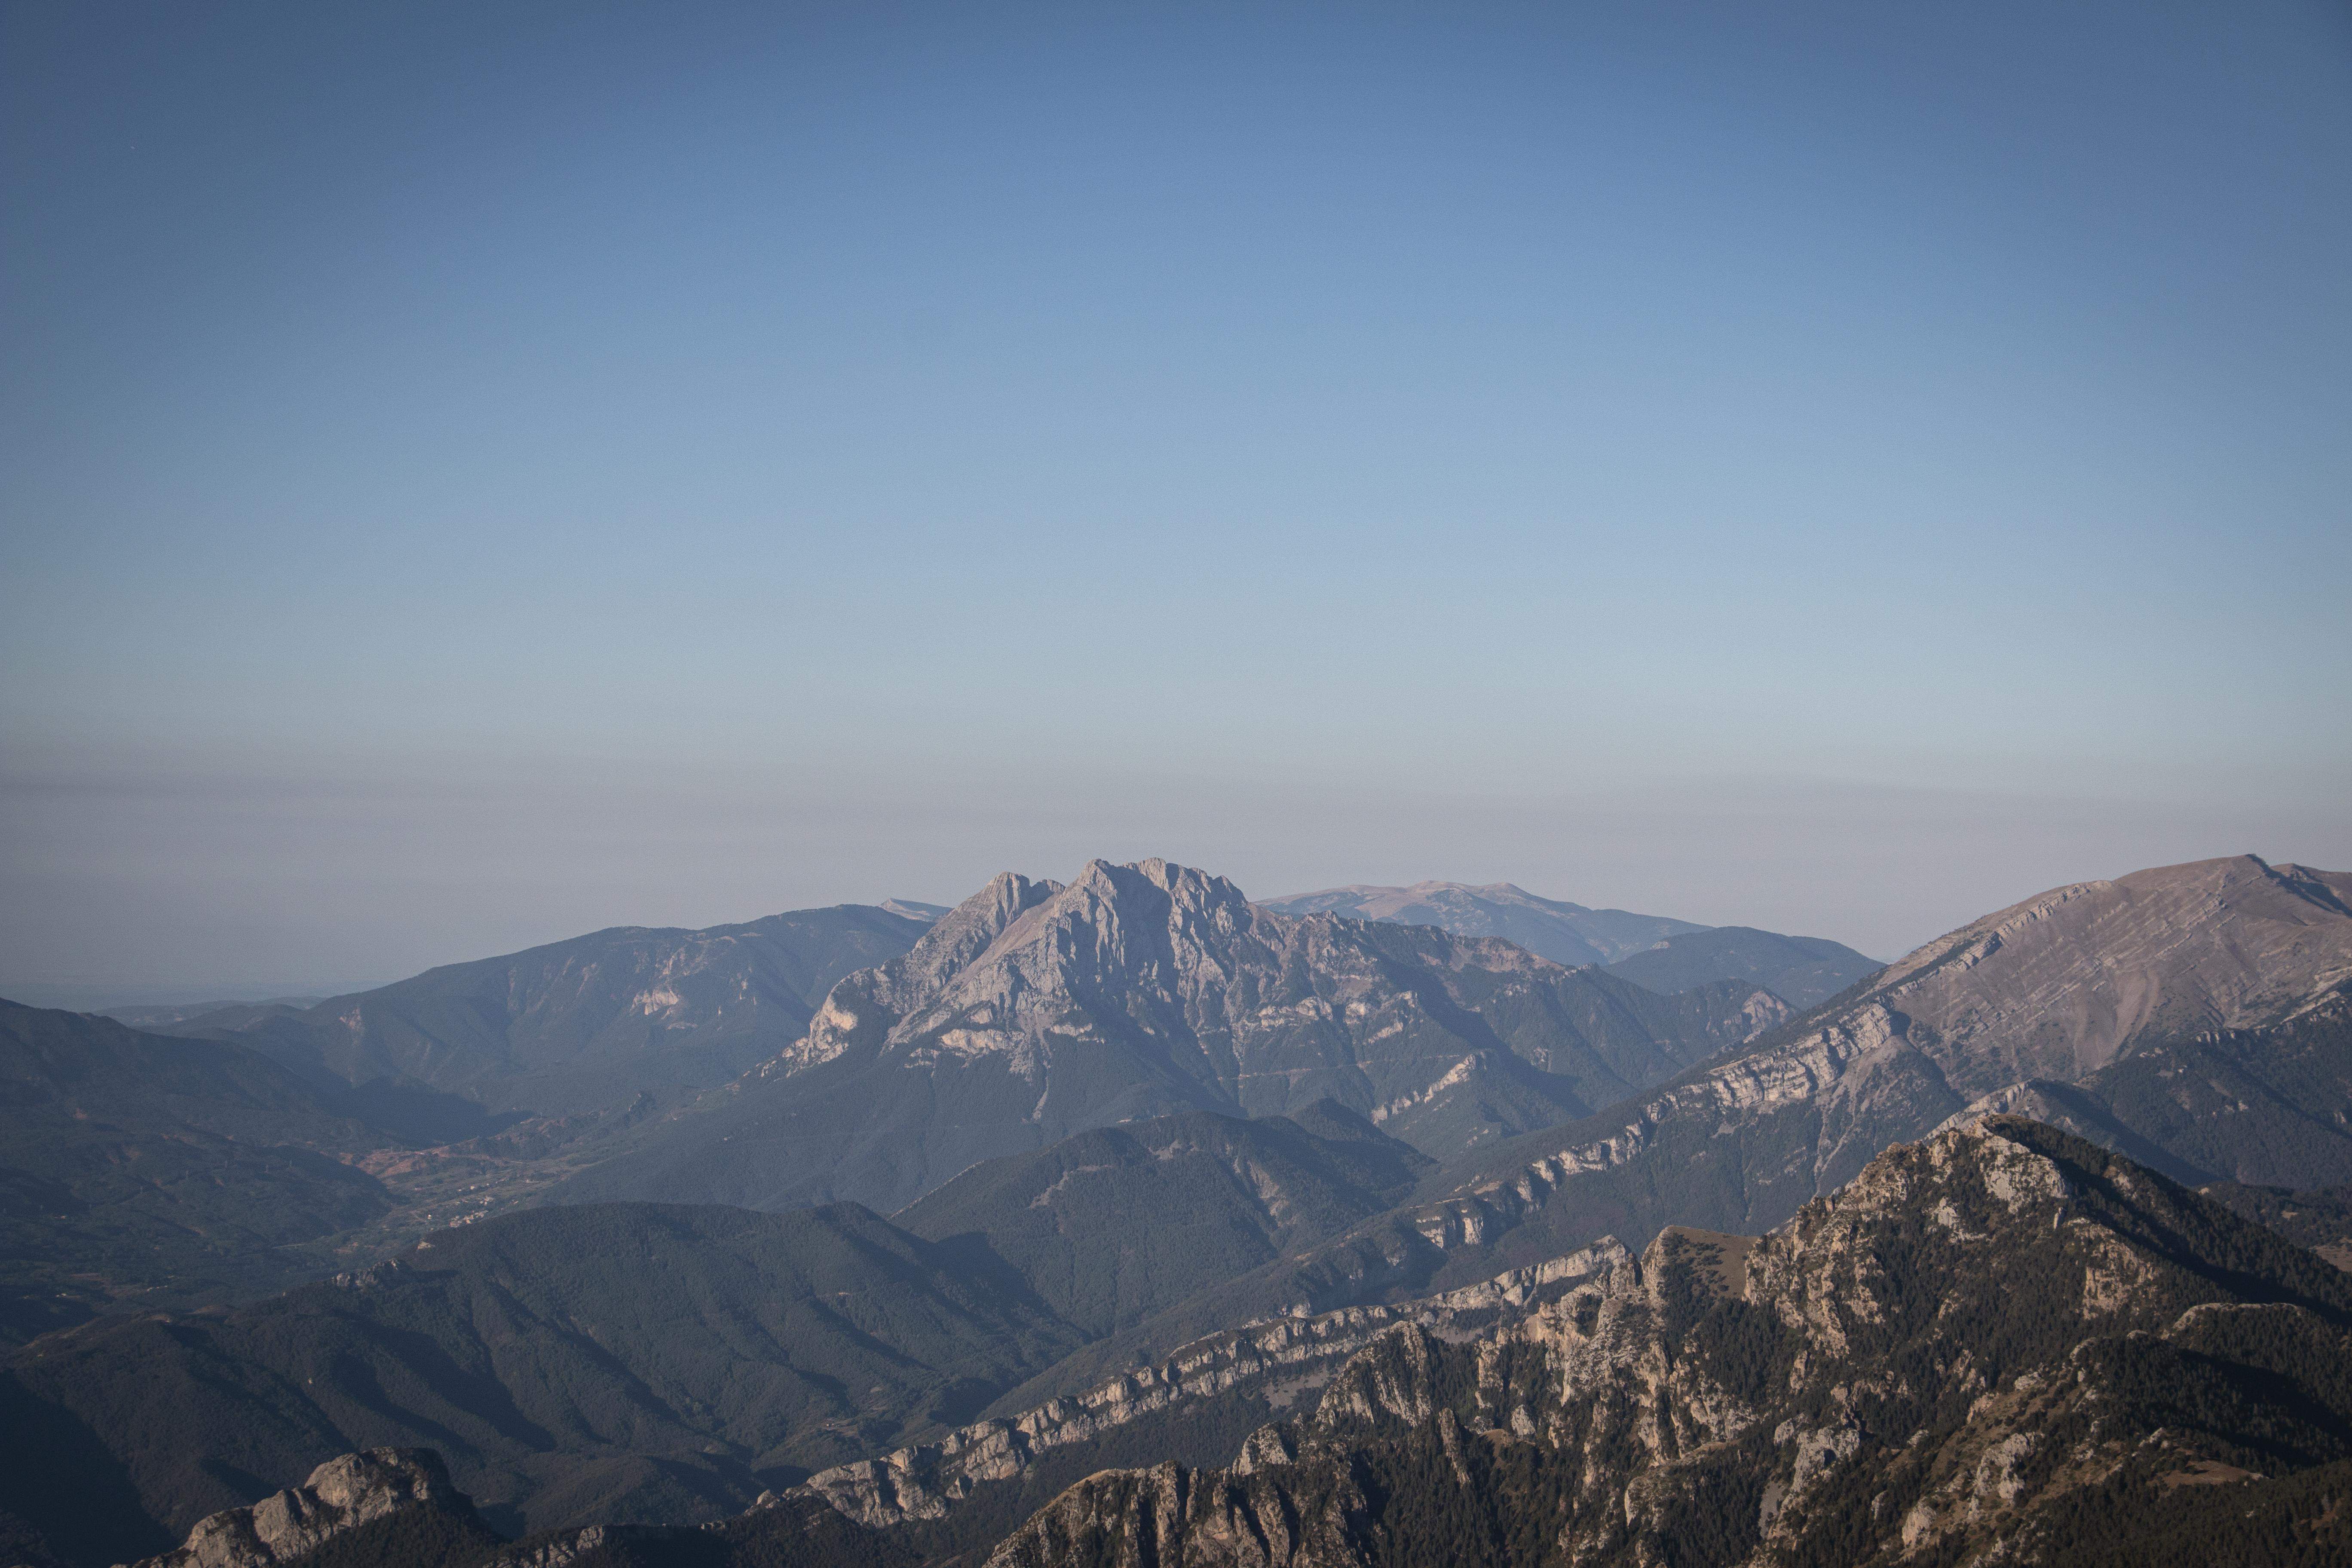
point(1550, 928)
point(1038, 1009)
point(585, 1022)
point(1741, 1142)
point(1653, 952)
point(1928, 1404)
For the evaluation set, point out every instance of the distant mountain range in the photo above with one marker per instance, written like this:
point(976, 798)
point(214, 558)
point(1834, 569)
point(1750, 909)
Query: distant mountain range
point(593, 1021)
point(1549, 927)
point(581, 1024)
point(1651, 951)
point(1349, 1238)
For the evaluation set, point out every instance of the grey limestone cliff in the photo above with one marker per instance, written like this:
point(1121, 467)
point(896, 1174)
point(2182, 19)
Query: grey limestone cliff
point(1998, 1344)
point(340, 1497)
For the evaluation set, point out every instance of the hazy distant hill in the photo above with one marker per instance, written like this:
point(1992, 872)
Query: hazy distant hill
point(1549, 927)
point(1653, 951)
point(1803, 971)
point(1035, 1011)
point(584, 1023)
point(157, 1017)
point(137, 1169)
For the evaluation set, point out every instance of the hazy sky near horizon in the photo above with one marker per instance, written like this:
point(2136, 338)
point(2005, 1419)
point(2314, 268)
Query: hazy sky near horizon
point(473, 474)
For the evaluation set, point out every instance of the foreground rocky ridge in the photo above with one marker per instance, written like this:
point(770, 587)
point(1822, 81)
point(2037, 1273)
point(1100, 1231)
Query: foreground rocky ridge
point(1260, 1366)
point(2003, 1343)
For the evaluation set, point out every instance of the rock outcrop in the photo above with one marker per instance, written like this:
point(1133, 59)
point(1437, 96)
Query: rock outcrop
point(1264, 1012)
point(342, 1496)
point(1284, 1361)
point(2002, 1343)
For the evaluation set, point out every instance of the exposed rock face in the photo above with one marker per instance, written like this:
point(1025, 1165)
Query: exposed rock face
point(584, 1023)
point(1264, 1012)
point(2096, 978)
point(1550, 928)
point(1999, 1342)
point(1035, 1011)
point(340, 1496)
point(2057, 987)
point(1291, 1357)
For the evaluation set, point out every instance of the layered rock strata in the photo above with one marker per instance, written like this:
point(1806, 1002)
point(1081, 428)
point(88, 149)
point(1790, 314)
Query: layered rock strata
point(2002, 1343)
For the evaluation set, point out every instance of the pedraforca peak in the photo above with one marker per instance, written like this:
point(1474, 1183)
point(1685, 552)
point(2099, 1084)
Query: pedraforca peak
point(1231, 1002)
point(1036, 1010)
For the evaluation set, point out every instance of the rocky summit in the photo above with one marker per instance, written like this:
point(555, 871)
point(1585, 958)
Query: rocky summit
point(1036, 1010)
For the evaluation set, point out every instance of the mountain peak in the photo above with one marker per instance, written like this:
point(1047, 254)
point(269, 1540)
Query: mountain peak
point(1034, 1010)
point(2067, 979)
point(1183, 884)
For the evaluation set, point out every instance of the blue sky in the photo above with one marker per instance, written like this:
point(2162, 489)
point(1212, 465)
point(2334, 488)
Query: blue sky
point(473, 474)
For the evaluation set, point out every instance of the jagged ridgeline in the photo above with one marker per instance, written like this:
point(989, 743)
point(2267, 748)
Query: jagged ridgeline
point(266, 1145)
point(2001, 1343)
point(1035, 1010)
